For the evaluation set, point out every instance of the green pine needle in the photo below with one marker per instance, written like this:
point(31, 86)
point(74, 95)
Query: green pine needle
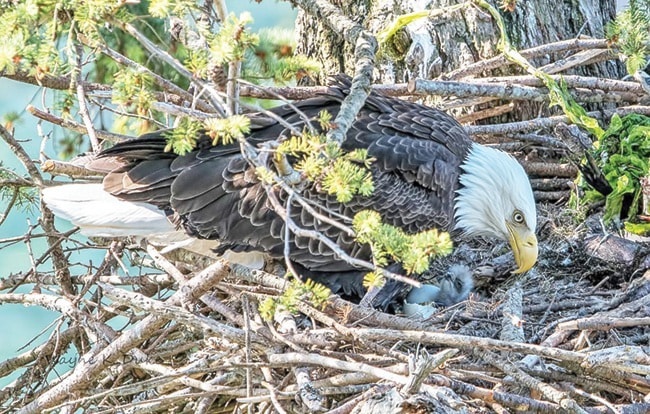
point(373, 280)
point(631, 32)
point(414, 251)
point(183, 138)
point(227, 130)
point(311, 292)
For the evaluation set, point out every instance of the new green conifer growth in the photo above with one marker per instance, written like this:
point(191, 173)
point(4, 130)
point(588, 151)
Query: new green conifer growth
point(335, 171)
point(183, 138)
point(389, 243)
point(309, 292)
point(631, 33)
point(222, 131)
point(132, 91)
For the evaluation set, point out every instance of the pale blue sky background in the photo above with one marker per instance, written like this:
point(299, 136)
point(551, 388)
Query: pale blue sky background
point(18, 324)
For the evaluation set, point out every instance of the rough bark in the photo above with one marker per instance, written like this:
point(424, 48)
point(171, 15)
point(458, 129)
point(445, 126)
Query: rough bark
point(430, 47)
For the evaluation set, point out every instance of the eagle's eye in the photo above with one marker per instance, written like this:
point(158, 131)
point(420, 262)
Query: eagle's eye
point(458, 285)
point(518, 217)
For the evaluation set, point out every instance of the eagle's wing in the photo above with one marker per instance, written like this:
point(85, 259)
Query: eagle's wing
point(213, 193)
point(418, 156)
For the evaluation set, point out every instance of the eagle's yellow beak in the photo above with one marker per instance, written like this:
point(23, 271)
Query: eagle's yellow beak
point(524, 245)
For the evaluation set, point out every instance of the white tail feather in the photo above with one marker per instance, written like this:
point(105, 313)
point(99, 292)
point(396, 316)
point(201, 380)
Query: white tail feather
point(98, 213)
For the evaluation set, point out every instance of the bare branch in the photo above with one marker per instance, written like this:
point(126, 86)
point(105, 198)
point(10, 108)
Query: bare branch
point(508, 91)
point(97, 360)
point(232, 87)
point(533, 52)
point(68, 168)
point(365, 48)
point(550, 122)
point(73, 126)
point(22, 155)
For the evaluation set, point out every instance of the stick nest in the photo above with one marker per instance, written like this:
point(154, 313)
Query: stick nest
point(569, 336)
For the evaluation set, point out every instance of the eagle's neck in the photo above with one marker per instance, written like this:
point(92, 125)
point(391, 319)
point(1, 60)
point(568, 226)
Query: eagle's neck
point(492, 186)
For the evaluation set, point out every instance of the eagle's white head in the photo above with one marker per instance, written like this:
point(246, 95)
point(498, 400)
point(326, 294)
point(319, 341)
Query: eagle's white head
point(496, 200)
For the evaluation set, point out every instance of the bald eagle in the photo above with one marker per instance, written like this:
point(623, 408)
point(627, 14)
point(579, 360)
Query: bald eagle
point(427, 174)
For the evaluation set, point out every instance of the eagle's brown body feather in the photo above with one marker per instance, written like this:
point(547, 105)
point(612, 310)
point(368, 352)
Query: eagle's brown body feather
point(215, 193)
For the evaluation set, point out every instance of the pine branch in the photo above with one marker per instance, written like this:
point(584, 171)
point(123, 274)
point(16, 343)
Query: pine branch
point(213, 95)
point(167, 86)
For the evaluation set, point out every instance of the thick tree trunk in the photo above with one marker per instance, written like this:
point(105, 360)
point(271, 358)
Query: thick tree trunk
point(430, 47)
